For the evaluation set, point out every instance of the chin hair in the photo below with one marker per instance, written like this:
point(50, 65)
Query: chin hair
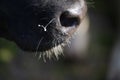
point(53, 52)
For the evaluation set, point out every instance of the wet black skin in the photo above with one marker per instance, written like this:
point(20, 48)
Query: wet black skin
point(20, 20)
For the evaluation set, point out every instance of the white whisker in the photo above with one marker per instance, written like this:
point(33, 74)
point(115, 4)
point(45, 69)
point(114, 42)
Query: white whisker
point(44, 54)
point(49, 22)
point(45, 27)
point(38, 45)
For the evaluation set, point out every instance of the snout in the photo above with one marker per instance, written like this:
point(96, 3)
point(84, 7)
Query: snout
point(45, 24)
point(64, 19)
point(64, 22)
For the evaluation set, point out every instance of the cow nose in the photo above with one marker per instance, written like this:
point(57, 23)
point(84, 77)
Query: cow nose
point(68, 19)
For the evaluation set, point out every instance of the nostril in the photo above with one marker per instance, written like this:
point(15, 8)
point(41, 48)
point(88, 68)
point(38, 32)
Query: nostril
point(69, 20)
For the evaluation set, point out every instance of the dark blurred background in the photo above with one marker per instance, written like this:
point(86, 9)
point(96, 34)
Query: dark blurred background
point(100, 63)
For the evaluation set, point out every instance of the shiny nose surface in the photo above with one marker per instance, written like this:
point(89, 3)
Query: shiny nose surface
point(67, 19)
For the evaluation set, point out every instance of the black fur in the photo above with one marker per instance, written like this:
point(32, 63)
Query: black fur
point(19, 21)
